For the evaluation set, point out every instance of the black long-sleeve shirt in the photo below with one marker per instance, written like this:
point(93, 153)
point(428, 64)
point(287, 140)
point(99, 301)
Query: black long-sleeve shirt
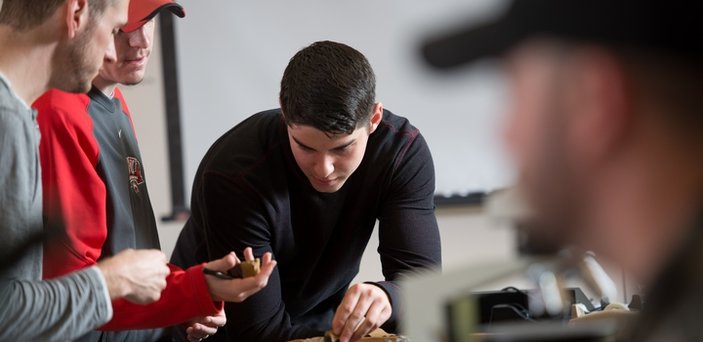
point(249, 191)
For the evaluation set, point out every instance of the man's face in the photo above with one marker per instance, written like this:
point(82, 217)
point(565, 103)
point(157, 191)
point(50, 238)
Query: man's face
point(132, 50)
point(78, 60)
point(537, 134)
point(327, 161)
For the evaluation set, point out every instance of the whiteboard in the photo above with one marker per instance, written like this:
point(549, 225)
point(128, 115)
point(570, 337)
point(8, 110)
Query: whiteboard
point(231, 56)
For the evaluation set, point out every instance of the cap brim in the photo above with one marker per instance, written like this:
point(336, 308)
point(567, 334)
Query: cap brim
point(173, 7)
point(468, 44)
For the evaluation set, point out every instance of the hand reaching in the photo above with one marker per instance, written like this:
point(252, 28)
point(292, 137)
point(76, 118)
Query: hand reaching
point(365, 307)
point(237, 290)
point(138, 276)
point(201, 328)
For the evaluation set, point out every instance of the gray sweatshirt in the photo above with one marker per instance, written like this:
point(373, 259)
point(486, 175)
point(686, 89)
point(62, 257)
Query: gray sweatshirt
point(59, 309)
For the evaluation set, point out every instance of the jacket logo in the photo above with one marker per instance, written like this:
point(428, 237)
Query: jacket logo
point(135, 173)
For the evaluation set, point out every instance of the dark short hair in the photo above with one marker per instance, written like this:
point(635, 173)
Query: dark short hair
point(670, 81)
point(23, 15)
point(329, 86)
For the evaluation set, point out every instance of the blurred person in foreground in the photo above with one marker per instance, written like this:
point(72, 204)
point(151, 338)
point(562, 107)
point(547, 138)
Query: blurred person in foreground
point(606, 127)
point(308, 182)
point(55, 43)
point(90, 159)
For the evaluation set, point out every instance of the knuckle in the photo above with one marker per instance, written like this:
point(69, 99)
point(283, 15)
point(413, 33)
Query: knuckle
point(355, 289)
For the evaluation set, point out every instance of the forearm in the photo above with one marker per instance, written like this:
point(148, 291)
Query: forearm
point(185, 296)
point(59, 309)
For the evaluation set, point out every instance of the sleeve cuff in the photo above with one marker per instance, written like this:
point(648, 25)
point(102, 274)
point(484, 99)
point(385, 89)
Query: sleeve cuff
point(104, 290)
point(205, 301)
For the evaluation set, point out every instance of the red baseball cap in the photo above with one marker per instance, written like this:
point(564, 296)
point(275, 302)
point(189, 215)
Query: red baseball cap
point(141, 11)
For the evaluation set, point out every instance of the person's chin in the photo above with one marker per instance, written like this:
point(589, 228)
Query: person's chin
point(327, 187)
point(132, 79)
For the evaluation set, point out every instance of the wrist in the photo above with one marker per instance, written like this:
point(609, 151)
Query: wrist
point(211, 283)
point(380, 287)
point(116, 288)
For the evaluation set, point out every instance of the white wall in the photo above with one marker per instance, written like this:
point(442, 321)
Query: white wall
point(232, 54)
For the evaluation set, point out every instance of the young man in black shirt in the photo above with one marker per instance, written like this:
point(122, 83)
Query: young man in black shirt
point(308, 182)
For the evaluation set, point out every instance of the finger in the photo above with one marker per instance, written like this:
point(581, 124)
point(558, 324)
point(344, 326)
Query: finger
point(344, 310)
point(248, 254)
point(203, 331)
point(205, 327)
point(198, 331)
point(165, 271)
point(266, 258)
point(356, 318)
point(219, 320)
point(159, 255)
point(237, 290)
point(266, 268)
point(196, 339)
point(223, 264)
point(371, 321)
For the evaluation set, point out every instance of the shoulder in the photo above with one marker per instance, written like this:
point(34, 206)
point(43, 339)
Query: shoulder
point(62, 101)
point(395, 134)
point(56, 107)
point(123, 103)
point(17, 127)
point(397, 144)
point(256, 133)
point(261, 123)
point(13, 113)
point(249, 144)
point(397, 124)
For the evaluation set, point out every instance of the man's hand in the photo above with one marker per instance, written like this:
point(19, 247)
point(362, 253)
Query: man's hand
point(201, 328)
point(138, 276)
point(237, 290)
point(364, 308)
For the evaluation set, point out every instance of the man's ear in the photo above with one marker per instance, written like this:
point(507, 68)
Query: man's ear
point(280, 105)
point(604, 116)
point(76, 16)
point(376, 117)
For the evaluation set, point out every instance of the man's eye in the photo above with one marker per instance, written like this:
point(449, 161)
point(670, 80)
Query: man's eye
point(342, 150)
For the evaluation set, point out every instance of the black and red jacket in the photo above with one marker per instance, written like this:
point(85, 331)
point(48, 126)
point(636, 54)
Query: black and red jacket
point(94, 183)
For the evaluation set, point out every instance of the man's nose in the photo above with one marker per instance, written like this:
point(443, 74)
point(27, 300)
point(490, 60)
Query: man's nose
point(139, 39)
point(324, 166)
point(110, 54)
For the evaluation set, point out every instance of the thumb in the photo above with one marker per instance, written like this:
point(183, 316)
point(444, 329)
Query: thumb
point(223, 264)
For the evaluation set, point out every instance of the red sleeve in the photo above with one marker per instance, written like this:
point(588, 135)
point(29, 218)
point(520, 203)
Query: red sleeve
point(74, 193)
point(186, 296)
